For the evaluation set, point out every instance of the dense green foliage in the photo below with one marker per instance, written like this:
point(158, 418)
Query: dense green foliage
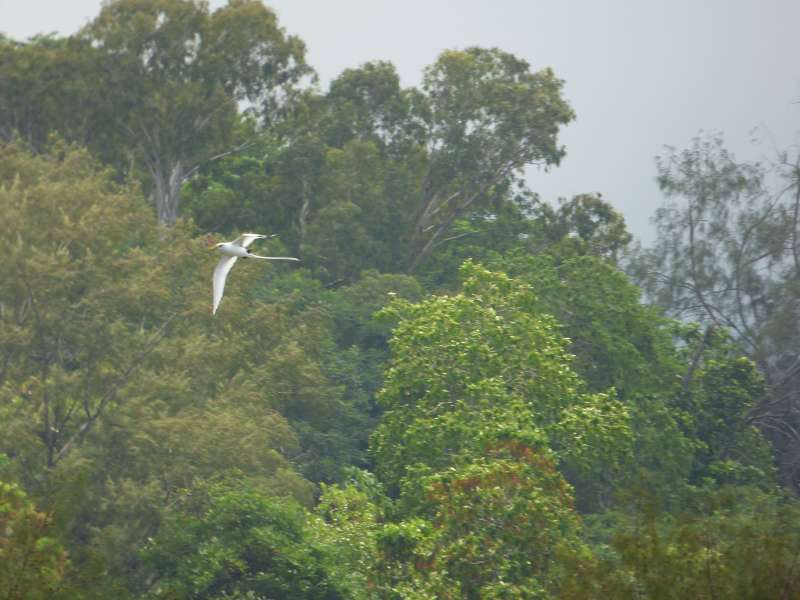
point(226, 541)
point(32, 561)
point(457, 393)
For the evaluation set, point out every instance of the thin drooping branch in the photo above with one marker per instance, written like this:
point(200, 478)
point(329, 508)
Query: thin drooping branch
point(243, 146)
point(113, 390)
point(47, 433)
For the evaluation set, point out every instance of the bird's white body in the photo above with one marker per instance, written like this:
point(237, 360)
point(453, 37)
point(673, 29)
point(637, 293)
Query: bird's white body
point(231, 251)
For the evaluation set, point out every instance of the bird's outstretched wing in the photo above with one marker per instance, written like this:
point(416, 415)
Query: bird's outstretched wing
point(220, 275)
point(246, 239)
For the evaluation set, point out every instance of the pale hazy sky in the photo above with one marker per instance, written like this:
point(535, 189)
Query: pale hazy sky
point(639, 73)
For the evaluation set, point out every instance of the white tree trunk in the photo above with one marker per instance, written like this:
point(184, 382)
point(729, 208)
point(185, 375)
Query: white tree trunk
point(305, 209)
point(167, 193)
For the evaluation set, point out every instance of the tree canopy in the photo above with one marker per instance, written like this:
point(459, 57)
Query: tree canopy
point(462, 390)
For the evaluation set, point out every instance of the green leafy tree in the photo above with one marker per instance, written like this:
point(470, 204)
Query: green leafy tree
point(352, 169)
point(355, 308)
point(454, 378)
point(684, 389)
point(175, 73)
point(617, 341)
point(717, 398)
point(133, 392)
point(494, 526)
point(486, 116)
point(72, 334)
point(517, 223)
point(368, 104)
point(734, 543)
point(47, 85)
point(33, 564)
point(229, 541)
point(591, 223)
point(232, 193)
point(377, 175)
point(351, 359)
point(473, 430)
point(172, 74)
point(350, 233)
point(348, 524)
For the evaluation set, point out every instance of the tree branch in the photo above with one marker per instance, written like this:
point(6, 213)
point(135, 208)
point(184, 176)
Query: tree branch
point(111, 393)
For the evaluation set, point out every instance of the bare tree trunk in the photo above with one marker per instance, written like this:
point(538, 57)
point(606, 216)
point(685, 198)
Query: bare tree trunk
point(167, 188)
point(696, 358)
point(436, 216)
point(796, 221)
point(302, 220)
point(167, 193)
point(421, 253)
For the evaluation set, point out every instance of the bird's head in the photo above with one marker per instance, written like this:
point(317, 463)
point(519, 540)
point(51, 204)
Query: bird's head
point(211, 244)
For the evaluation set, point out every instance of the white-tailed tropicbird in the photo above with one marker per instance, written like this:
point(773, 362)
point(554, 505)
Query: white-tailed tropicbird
point(231, 251)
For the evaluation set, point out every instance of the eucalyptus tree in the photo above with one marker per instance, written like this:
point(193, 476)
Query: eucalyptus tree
point(451, 147)
point(373, 175)
point(47, 86)
point(153, 87)
point(174, 74)
point(486, 116)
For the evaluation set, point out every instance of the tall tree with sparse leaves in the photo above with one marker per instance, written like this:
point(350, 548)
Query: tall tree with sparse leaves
point(728, 254)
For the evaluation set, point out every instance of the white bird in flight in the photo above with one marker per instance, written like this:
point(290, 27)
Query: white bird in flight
point(231, 251)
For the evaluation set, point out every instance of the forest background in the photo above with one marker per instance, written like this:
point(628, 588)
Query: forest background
point(463, 391)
